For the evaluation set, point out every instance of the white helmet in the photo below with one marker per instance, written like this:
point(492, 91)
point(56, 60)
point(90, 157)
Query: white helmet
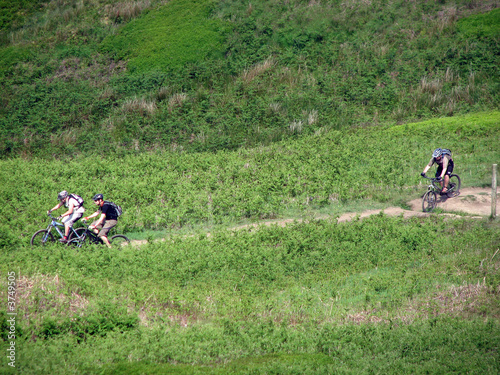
point(437, 153)
point(63, 194)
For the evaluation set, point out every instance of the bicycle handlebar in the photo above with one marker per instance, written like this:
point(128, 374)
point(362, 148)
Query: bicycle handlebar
point(49, 214)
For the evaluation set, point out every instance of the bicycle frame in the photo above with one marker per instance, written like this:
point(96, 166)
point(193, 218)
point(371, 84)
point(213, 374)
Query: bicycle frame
point(94, 239)
point(56, 224)
point(429, 199)
point(434, 185)
point(90, 235)
point(87, 234)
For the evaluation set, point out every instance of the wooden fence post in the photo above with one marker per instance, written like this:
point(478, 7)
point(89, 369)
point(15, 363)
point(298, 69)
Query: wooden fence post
point(494, 192)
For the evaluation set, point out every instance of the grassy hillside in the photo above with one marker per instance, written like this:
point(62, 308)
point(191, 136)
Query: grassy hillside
point(374, 295)
point(202, 114)
point(106, 76)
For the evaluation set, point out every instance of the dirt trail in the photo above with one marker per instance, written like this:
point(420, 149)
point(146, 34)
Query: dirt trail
point(474, 202)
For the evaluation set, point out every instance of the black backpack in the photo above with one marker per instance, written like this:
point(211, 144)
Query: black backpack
point(117, 208)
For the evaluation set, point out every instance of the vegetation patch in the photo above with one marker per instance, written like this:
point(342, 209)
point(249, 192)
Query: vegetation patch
point(466, 125)
point(481, 25)
point(179, 32)
point(203, 114)
point(325, 292)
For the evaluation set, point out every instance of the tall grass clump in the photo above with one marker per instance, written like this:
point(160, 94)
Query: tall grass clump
point(125, 11)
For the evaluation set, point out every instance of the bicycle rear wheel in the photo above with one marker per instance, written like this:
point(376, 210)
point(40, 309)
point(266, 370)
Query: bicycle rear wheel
point(454, 186)
point(119, 240)
point(429, 201)
point(42, 237)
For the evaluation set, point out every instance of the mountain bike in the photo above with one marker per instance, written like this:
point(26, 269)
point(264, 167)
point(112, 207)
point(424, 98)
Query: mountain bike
point(43, 236)
point(429, 200)
point(88, 236)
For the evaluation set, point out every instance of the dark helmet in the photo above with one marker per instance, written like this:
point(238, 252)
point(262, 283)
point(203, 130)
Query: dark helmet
point(437, 153)
point(63, 194)
point(97, 197)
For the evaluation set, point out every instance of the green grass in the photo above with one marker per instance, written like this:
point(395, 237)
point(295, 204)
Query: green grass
point(379, 294)
point(273, 299)
point(13, 13)
point(178, 33)
point(481, 25)
point(327, 172)
point(468, 125)
point(201, 116)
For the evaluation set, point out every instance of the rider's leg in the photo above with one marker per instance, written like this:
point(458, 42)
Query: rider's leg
point(97, 228)
point(105, 240)
point(68, 222)
point(438, 174)
point(447, 175)
point(446, 181)
point(103, 234)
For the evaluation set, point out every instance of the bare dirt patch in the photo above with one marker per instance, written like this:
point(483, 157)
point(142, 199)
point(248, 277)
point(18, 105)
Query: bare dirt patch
point(473, 201)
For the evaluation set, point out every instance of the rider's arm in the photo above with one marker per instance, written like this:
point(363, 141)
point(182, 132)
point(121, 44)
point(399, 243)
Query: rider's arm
point(428, 166)
point(55, 207)
point(71, 208)
point(93, 215)
point(99, 222)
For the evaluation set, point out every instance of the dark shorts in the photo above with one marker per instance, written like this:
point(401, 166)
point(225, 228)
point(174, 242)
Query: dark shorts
point(104, 229)
point(449, 170)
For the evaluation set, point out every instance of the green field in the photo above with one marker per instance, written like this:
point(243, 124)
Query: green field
point(330, 169)
point(201, 117)
point(379, 294)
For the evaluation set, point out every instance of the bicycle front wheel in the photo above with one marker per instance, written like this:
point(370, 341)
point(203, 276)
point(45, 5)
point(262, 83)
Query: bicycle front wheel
point(454, 186)
point(429, 201)
point(75, 242)
point(119, 240)
point(79, 232)
point(42, 237)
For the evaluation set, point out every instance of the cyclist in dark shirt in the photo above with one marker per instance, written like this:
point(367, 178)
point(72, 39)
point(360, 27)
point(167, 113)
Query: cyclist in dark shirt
point(444, 160)
point(107, 218)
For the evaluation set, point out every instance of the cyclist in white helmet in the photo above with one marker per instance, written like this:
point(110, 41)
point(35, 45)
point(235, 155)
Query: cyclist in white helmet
point(74, 204)
point(443, 158)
